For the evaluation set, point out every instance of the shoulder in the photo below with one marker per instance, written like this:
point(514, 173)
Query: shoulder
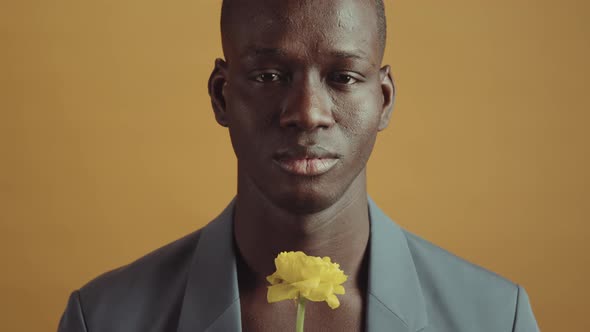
point(152, 283)
point(439, 262)
point(460, 293)
point(171, 258)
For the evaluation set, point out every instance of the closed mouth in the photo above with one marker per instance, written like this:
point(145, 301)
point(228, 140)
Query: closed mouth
point(307, 166)
point(306, 161)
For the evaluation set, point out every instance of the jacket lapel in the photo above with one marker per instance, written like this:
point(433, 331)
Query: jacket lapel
point(211, 301)
point(394, 300)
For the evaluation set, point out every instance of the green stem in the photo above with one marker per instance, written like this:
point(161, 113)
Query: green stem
point(300, 314)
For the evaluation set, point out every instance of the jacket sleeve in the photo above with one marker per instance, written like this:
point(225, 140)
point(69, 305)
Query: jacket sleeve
point(72, 319)
point(524, 319)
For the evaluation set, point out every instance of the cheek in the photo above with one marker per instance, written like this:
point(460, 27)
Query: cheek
point(251, 107)
point(358, 116)
point(358, 113)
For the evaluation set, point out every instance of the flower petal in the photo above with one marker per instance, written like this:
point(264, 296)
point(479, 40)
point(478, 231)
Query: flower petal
point(274, 279)
point(333, 301)
point(281, 292)
point(339, 289)
point(320, 293)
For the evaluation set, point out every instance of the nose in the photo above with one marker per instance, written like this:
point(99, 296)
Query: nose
point(307, 106)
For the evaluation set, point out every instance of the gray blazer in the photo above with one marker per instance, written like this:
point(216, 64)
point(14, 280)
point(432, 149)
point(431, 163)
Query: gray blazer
point(191, 285)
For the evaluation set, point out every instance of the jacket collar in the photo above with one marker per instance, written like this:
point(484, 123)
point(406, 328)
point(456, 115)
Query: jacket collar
point(394, 301)
point(211, 300)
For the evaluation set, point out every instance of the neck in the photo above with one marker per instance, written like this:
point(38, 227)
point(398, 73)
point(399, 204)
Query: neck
point(341, 231)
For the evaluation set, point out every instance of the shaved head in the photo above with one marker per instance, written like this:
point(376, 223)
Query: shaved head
point(302, 77)
point(229, 8)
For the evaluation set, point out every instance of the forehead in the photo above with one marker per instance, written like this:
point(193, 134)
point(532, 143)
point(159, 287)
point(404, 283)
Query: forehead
point(301, 26)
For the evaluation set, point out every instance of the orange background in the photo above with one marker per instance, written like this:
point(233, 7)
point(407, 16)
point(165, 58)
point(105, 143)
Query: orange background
point(109, 148)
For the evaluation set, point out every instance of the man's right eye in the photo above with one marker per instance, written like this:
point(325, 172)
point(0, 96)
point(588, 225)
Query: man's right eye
point(267, 77)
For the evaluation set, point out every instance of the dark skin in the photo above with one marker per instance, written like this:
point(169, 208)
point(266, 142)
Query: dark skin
point(302, 81)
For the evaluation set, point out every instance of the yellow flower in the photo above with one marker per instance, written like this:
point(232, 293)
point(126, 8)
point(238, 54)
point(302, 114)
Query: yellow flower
point(298, 275)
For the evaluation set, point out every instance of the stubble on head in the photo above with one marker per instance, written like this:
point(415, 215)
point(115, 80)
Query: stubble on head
point(304, 42)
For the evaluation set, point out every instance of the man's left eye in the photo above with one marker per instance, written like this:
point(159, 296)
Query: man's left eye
point(268, 77)
point(342, 78)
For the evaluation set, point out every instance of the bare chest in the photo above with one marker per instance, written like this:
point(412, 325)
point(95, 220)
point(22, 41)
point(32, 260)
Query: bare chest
point(260, 316)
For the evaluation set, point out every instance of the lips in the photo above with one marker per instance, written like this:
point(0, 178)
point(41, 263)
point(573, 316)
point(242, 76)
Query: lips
point(306, 161)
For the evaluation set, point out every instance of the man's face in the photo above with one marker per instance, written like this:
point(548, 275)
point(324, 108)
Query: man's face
point(303, 96)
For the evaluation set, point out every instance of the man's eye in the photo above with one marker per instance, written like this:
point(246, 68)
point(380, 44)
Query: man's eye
point(267, 77)
point(343, 78)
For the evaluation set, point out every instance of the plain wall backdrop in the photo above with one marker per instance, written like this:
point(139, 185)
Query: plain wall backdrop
point(109, 148)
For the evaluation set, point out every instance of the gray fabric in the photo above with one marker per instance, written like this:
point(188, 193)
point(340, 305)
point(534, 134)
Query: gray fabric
point(191, 285)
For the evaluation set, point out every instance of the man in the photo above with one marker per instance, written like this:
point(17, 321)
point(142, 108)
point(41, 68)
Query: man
point(303, 95)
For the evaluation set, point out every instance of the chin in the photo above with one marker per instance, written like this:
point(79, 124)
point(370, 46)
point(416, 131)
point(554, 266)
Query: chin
point(297, 205)
point(301, 195)
point(305, 201)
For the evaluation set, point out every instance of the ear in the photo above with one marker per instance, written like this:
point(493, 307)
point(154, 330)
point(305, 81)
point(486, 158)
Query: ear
point(388, 90)
point(216, 85)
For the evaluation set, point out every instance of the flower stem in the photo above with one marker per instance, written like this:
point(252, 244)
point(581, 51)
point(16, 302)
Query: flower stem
point(300, 314)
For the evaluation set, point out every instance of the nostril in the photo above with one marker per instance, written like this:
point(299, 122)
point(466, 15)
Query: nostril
point(291, 125)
